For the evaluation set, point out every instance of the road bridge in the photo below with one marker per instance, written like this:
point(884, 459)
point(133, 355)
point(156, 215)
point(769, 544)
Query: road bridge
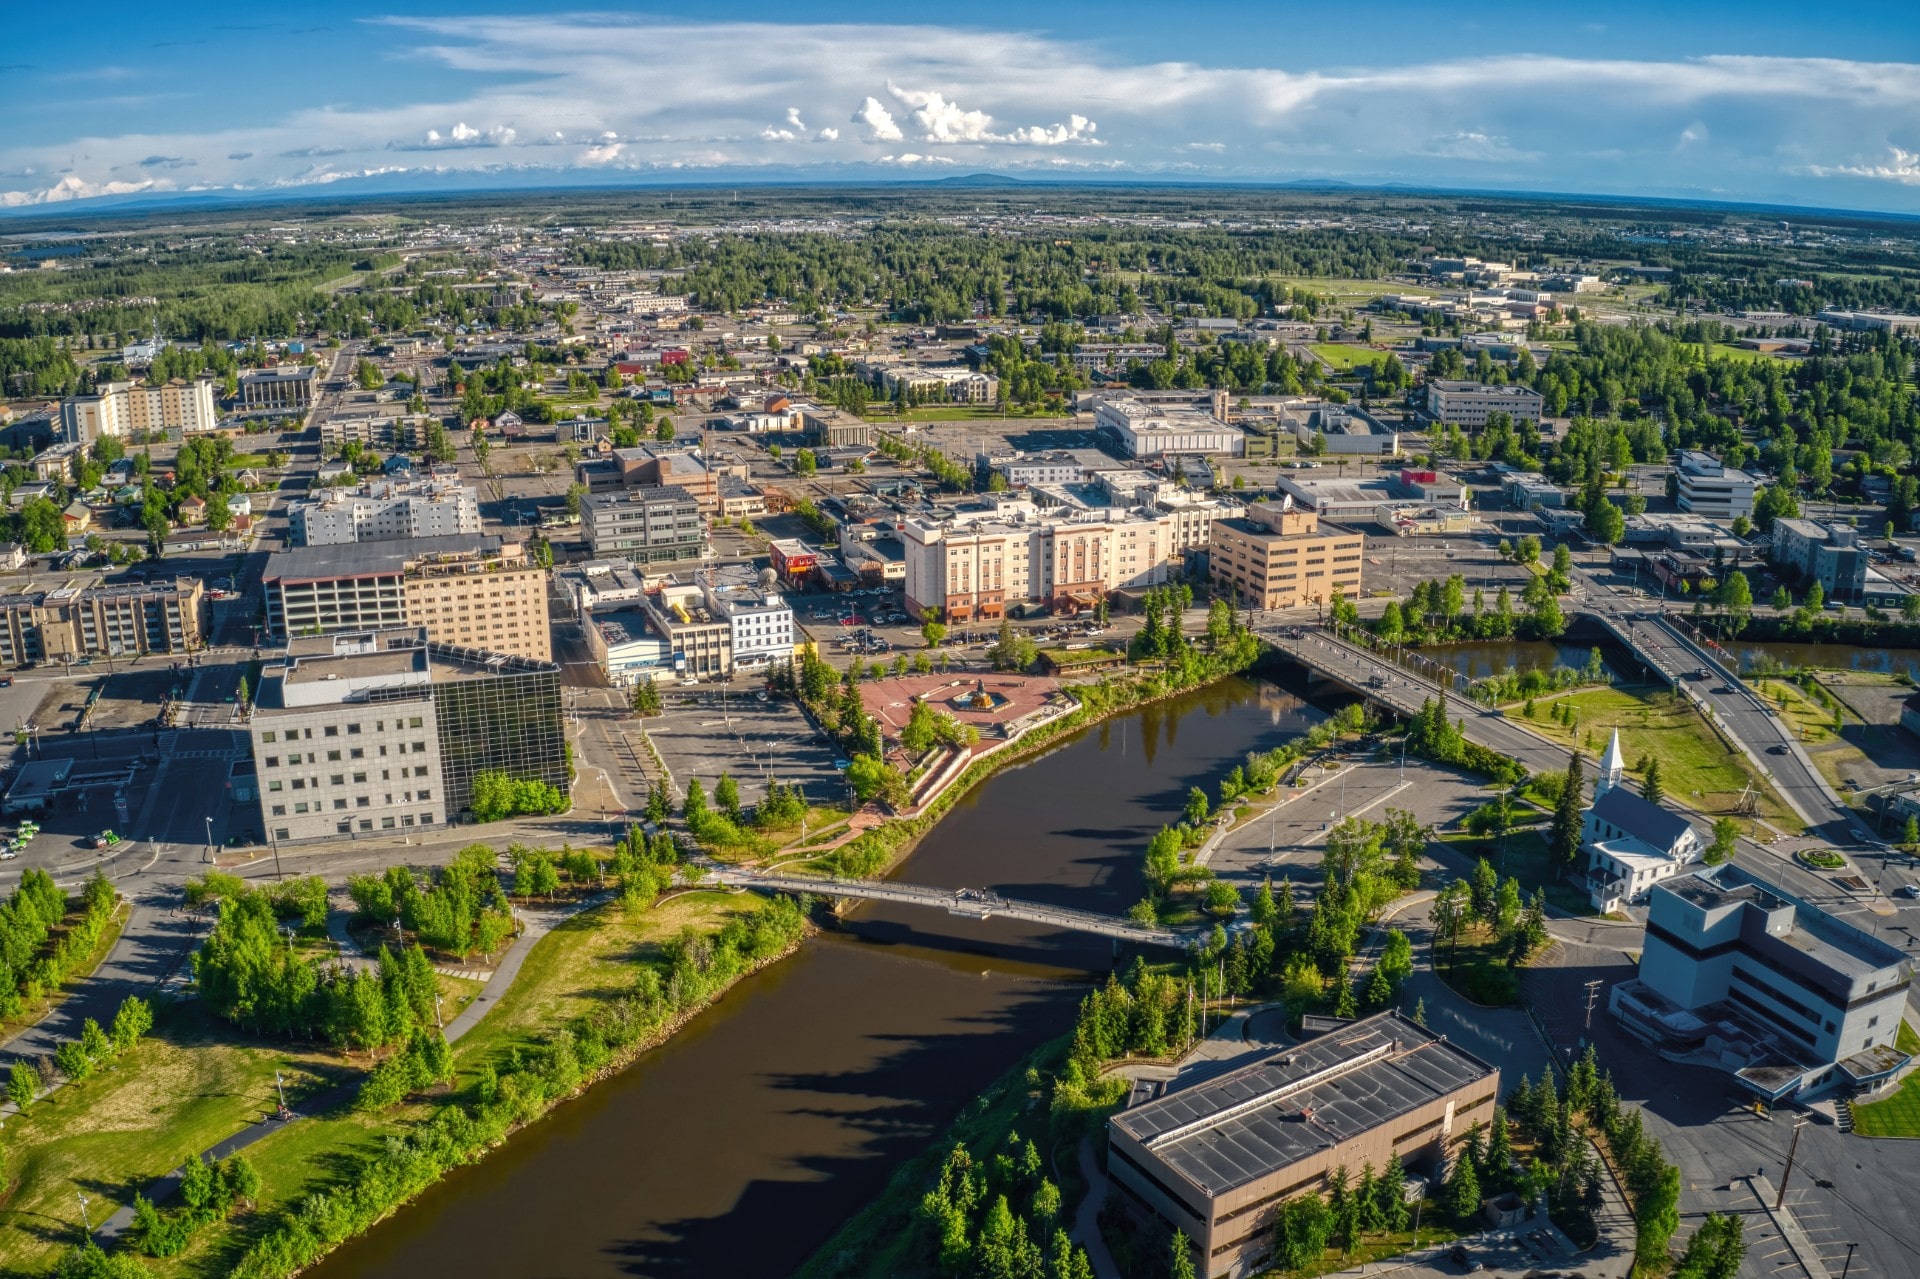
point(973, 903)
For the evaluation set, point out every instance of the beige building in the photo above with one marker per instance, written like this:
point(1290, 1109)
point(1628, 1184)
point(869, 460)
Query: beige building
point(1279, 557)
point(121, 408)
point(120, 620)
point(1216, 1157)
point(977, 565)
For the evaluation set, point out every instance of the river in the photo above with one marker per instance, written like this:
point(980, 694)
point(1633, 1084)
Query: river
point(742, 1144)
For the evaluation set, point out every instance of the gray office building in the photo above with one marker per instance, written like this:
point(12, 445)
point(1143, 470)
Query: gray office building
point(649, 525)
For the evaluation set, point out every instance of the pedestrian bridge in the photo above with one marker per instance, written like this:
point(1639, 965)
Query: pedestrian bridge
point(973, 903)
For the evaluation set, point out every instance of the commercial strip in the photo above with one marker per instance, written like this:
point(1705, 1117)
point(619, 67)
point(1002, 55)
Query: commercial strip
point(473, 590)
point(384, 730)
point(1215, 1157)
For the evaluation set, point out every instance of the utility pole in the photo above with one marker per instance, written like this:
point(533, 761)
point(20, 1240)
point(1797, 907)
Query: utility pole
point(1593, 997)
point(85, 1224)
point(1799, 1122)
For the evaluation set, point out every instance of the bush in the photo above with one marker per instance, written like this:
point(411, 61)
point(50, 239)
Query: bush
point(498, 795)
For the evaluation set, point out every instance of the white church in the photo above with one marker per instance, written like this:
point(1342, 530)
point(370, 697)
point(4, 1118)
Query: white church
point(1631, 844)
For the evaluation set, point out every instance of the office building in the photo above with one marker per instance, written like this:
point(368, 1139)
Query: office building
point(122, 408)
point(1471, 403)
point(1340, 429)
point(761, 619)
point(379, 731)
point(1631, 844)
point(1213, 1158)
point(657, 525)
point(470, 590)
point(979, 562)
point(1870, 321)
point(1709, 488)
point(104, 620)
point(1144, 428)
point(658, 466)
point(699, 641)
point(1742, 976)
point(1828, 554)
point(288, 388)
point(379, 431)
point(1023, 470)
point(1276, 556)
point(382, 510)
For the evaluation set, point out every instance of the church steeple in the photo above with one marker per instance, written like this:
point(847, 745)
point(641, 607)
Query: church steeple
point(1613, 766)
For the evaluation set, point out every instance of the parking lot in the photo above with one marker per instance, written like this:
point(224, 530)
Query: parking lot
point(701, 734)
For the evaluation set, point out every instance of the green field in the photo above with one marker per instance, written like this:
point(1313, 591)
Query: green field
point(1343, 357)
point(1899, 1114)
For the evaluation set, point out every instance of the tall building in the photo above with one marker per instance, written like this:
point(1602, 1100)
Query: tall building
point(119, 619)
point(1740, 975)
point(1472, 403)
point(471, 590)
point(1828, 554)
point(382, 730)
point(1279, 557)
point(976, 564)
point(383, 510)
point(1214, 1157)
point(658, 525)
point(121, 408)
point(1711, 488)
point(288, 387)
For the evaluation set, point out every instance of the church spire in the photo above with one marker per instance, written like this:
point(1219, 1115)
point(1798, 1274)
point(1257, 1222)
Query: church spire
point(1613, 766)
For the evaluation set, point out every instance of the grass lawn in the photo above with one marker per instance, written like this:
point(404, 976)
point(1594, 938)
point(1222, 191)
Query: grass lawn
point(1477, 967)
point(1696, 767)
point(1343, 357)
point(191, 1083)
point(1528, 859)
point(1898, 1115)
point(1379, 1247)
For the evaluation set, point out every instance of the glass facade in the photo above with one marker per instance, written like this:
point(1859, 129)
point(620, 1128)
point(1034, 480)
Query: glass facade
point(509, 720)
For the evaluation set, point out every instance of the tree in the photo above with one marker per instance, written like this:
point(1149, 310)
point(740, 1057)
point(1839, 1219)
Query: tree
point(932, 630)
point(23, 1085)
point(645, 698)
point(1484, 886)
point(1463, 1189)
point(1726, 838)
point(726, 793)
point(576, 493)
point(1012, 651)
point(1180, 1257)
point(133, 1020)
point(1197, 806)
point(1736, 602)
point(1565, 836)
point(1449, 913)
point(1651, 788)
point(804, 463)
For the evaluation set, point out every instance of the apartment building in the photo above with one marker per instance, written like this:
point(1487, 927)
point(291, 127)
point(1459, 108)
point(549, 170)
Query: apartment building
point(1828, 554)
point(120, 619)
point(121, 408)
point(469, 590)
point(953, 382)
point(1214, 1158)
point(382, 510)
point(1471, 404)
point(370, 430)
point(761, 619)
point(1145, 428)
point(656, 525)
point(286, 388)
point(1709, 487)
point(1278, 557)
point(370, 733)
point(1740, 974)
point(978, 564)
point(1023, 470)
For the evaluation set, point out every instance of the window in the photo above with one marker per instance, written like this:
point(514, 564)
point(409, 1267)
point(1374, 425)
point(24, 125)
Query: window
point(386, 823)
point(280, 832)
point(423, 794)
point(359, 777)
point(274, 785)
point(299, 783)
point(343, 828)
point(338, 779)
point(268, 736)
point(273, 761)
point(340, 803)
point(363, 801)
point(300, 808)
point(414, 722)
point(366, 823)
point(333, 730)
point(280, 810)
point(293, 759)
point(419, 748)
point(333, 757)
point(358, 752)
point(426, 819)
point(352, 729)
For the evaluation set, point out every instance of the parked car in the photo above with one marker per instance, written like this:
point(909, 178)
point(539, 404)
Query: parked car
point(105, 839)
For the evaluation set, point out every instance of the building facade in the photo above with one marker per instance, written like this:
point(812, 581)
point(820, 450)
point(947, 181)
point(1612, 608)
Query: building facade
point(121, 408)
point(1631, 844)
point(658, 525)
point(1828, 554)
point(1708, 487)
point(1148, 428)
point(977, 565)
point(384, 510)
point(130, 619)
point(1215, 1158)
point(288, 388)
point(1278, 557)
point(1471, 403)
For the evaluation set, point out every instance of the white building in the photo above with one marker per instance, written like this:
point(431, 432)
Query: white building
point(600, 584)
point(1710, 488)
point(980, 563)
point(383, 510)
point(1631, 844)
point(1144, 428)
point(1471, 404)
point(762, 622)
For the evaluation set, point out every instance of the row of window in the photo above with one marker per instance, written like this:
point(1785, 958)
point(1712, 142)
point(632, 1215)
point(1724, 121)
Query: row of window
point(340, 779)
point(333, 757)
point(271, 736)
point(366, 824)
point(301, 806)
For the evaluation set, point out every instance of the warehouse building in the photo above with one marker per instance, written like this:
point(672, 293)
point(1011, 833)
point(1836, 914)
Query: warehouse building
point(1214, 1158)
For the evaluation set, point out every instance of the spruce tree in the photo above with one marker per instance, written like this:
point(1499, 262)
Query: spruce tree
point(1566, 814)
point(1651, 788)
point(1463, 1189)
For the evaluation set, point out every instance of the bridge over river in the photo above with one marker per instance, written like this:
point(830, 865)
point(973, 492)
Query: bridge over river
point(974, 903)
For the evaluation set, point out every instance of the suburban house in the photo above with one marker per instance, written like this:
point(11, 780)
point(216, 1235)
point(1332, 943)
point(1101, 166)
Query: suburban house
point(1631, 844)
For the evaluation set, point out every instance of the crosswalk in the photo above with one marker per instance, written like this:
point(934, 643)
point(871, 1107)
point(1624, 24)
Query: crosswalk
point(465, 974)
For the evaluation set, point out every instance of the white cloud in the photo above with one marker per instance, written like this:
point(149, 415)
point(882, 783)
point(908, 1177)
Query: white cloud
point(72, 187)
point(546, 94)
point(879, 122)
point(911, 158)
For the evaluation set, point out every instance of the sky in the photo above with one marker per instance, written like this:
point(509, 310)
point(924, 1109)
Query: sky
point(1764, 102)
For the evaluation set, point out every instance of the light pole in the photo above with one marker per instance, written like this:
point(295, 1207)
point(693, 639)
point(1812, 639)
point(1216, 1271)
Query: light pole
point(209, 856)
point(85, 1224)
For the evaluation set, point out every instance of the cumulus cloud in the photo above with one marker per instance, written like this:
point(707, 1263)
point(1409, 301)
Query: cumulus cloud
point(879, 121)
point(545, 94)
point(73, 187)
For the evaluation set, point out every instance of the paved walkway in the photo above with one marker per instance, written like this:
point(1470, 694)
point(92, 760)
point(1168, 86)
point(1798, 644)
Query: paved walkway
point(1086, 1218)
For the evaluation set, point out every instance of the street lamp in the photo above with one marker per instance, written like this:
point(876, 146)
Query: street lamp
point(209, 856)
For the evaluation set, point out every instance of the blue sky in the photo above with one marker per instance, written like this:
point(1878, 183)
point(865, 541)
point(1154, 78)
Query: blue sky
point(1767, 102)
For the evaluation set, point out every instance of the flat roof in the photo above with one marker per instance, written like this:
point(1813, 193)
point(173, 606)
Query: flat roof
point(1249, 1123)
point(1833, 943)
point(368, 559)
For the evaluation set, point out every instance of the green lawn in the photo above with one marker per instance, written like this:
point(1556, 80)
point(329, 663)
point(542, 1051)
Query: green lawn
point(1477, 966)
point(1899, 1114)
point(1344, 357)
point(1525, 856)
point(1696, 767)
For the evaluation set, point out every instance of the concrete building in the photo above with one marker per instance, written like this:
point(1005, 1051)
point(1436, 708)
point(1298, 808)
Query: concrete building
point(1023, 470)
point(659, 525)
point(657, 466)
point(1341, 429)
point(1815, 552)
point(1869, 321)
point(980, 562)
point(952, 382)
point(699, 641)
point(469, 590)
point(369, 733)
point(1145, 428)
point(288, 388)
point(382, 510)
point(600, 584)
point(121, 619)
point(1741, 975)
point(1277, 556)
point(1630, 844)
point(1709, 488)
point(1214, 1157)
point(1471, 403)
point(761, 619)
point(625, 646)
point(1528, 492)
point(121, 408)
point(383, 431)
